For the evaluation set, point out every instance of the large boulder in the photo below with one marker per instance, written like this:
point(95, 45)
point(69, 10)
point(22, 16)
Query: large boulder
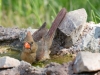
point(73, 25)
point(86, 62)
point(69, 30)
point(89, 40)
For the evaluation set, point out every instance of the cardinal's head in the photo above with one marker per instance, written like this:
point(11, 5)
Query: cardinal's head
point(28, 43)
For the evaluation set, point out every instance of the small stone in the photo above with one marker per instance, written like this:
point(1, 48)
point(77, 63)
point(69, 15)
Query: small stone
point(63, 52)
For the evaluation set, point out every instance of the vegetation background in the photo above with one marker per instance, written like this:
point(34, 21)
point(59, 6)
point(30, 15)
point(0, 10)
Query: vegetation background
point(32, 13)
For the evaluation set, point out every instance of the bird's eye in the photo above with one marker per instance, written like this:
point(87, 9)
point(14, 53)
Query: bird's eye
point(31, 43)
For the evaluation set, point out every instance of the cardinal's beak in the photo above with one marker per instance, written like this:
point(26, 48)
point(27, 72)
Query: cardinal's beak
point(27, 45)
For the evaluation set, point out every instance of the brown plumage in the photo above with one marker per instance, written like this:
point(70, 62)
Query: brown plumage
point(38, 35)
point(45, 43)
point(39, 49)
point(29, 49)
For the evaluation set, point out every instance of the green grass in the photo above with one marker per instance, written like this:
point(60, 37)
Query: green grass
point(0, 11)
point(32, 13)
point(95, 14)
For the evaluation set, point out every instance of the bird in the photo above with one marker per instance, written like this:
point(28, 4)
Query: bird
point(37, 46)
point(30, 47)
point(38, 35)
point(45, 42)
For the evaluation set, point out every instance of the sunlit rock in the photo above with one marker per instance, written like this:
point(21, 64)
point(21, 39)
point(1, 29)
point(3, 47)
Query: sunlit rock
point(73, 25)
point(90, 39)
point(86, 62)
point(8, 62)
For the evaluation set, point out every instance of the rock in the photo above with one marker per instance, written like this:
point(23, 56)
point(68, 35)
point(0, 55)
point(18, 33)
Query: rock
point(26, 69)
point(89, 40)
point(3, 50)
point(23, 69)
point(10, 33)
point(63, 52)
point(10, 72)
point(72, 26)
point(8, 62)
point(51, 69)
point(69, 30)
point(98, 73)
point(86, 62)
point(22, 35)
point(57, 69)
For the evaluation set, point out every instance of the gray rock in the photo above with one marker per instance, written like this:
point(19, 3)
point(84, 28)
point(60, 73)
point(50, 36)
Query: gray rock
point(51, 69)
point(8, 62)
point(10, 72)
point(23, 69)
point(86, 62)
point(59, 69)
point(10, 33)
point(89, 40)
point(73, 25)
point(27, 69)
point(22, 35)
point(14, 33)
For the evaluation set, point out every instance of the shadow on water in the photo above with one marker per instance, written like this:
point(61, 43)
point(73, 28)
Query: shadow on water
point(55, 58)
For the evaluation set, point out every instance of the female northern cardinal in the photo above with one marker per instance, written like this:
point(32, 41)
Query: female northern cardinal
point(39, 50)
point(29, 49)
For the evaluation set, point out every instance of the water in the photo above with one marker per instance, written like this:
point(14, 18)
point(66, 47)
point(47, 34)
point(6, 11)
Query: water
point(57, 59)
point(7, 51)
point(16, 54)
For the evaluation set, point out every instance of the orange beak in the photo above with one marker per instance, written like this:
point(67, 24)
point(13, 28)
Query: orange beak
point(27, 45)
